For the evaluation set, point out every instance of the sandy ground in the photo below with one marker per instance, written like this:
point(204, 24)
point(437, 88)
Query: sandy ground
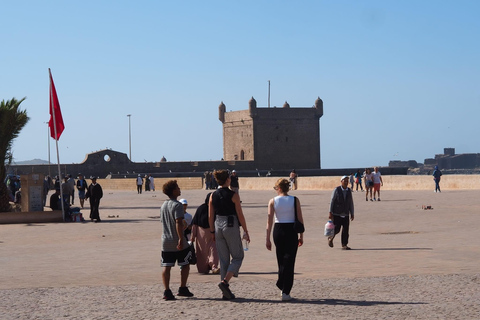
point(406, 263)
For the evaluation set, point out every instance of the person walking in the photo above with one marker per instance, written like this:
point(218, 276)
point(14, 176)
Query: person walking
point(94, 193)
point(341, 212)
point(67, 189)
point(293, 180)
point(234, 182)
point(71, 182)
point(368, 177)
point(358, 180)
point(436, 177)
point(152, 182)
point(147, 184)
point(282, 209)
point(81, 187)
point(175, 248)
point(225, 217)
point(139, 184)
point(377, 182)
point(207, 256)
point(46, 189)
point(352, 181)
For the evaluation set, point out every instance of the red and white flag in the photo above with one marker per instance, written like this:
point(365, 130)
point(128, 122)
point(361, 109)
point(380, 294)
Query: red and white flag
point(56, 120)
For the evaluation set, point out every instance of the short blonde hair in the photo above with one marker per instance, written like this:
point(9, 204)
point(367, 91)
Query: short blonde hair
point(282, 184)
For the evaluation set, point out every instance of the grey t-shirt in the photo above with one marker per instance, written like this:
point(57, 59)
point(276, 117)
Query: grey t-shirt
point(170, 211)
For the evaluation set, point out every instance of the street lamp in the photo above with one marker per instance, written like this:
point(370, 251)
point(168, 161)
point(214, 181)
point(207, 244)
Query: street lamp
point(129, 136)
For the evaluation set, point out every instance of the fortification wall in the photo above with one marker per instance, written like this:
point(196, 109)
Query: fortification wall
point(448, 182)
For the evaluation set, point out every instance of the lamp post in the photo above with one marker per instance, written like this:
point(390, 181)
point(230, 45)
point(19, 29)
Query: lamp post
point(129, 136)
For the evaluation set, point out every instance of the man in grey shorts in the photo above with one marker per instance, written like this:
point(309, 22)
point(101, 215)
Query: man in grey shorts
point(175, 247)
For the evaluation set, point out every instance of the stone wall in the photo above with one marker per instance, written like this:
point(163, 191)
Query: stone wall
point(287, 138)
point(238, 136)
point(273, 138)
point(406, 182)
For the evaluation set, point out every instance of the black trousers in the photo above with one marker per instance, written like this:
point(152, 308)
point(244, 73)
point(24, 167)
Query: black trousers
point(94, 204)
point(286, 244)
point(343, 223)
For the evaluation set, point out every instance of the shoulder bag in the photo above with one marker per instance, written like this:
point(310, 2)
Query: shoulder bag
point(297, 225)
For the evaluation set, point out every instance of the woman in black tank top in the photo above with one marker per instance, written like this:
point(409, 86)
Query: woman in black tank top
point(225, 218)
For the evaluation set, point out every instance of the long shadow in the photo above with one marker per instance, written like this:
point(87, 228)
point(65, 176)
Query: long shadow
point(107, 220)
point(391, 249)
point(272, 272)
point(397, 200)
point(131, 208)
point(265, 206)
point(330, 302)
point(251, 206)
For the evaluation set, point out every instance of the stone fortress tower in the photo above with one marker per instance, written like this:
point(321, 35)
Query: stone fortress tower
point(277, 138)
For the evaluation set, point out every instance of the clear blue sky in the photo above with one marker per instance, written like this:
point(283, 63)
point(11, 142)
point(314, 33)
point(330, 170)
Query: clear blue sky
point(400, 80)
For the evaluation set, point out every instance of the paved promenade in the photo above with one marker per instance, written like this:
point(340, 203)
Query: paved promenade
point(406, 263)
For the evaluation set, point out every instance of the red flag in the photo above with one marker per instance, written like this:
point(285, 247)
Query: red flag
point(56, 119)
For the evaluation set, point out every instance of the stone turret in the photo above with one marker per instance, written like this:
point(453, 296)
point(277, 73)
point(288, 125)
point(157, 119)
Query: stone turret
point(319, 106)
point(221, 112)
point(252, 107)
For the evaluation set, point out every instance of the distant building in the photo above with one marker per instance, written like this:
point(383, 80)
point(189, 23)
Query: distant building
point(278, 138)
point(446, 161)
point(255, 141)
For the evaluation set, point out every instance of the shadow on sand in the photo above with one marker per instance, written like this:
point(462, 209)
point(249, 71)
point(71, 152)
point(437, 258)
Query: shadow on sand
point(330, 302)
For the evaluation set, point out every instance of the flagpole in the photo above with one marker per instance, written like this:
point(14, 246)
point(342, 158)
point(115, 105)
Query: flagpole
point(56, 143)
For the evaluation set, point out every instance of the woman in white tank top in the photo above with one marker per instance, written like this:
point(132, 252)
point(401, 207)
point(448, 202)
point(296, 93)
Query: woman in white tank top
point(281, 209)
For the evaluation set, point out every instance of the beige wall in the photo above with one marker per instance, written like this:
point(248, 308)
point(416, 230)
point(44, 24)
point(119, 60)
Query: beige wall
point(131, 184)
point(448, 182)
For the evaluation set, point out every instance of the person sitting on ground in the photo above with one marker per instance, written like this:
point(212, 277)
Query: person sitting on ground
point(55, 203)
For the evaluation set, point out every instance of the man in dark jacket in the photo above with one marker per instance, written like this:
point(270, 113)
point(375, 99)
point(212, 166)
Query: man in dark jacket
point(94, 193)
point(341, 209)
point(436, 177)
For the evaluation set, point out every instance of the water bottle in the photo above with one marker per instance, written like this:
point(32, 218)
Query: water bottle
point(329, 229)
point(245, 242)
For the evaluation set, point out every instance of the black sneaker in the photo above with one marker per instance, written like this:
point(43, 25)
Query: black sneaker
point(227, 294)
point(225, 298)
point(184, 292)
point(168, 295)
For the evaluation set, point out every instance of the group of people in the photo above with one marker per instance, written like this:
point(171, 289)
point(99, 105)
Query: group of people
point(373, 182)
point(92, 191)
point(149, 183)
point(215, 229)
point(13, 188)
point(210, 182)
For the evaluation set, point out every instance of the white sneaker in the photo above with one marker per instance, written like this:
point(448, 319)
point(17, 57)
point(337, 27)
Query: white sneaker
point(286, 297)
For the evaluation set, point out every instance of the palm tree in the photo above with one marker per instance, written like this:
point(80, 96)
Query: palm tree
point(12, 121)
